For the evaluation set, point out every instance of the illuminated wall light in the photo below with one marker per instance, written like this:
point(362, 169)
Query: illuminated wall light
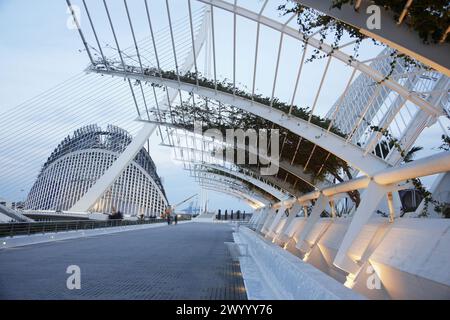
point(350, 281)
point(306, 256)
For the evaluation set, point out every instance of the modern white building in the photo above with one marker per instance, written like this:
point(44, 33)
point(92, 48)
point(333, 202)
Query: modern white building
point(80, 159)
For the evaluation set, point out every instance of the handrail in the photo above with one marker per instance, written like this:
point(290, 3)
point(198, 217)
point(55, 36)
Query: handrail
point(28, 228)
point(419, 168)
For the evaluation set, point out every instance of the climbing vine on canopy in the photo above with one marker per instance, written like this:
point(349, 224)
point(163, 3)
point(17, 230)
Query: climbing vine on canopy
point(429, 18)
point(293, 149)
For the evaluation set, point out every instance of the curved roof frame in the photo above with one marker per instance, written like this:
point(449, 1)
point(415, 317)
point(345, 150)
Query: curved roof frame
point(228, 182)
point(338, 54)
point(295, 170)
point(355, 156)
point(395, 33)
point(226, 186)
point(253, 181)
point(253, 202)
point(340, 147)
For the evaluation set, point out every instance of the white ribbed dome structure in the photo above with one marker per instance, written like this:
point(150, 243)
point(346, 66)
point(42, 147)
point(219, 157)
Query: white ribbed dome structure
point(79, 160)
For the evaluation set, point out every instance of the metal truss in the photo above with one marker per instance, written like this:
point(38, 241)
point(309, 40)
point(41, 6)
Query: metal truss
point(363, 158)
point(338, 146)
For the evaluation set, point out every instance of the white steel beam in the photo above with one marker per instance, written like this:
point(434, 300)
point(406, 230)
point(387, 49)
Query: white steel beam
point(80, 32)
point(237, 193)
point(350, 153)
point(276, 220)
point(257, 183)
point(318, 207)
point(295, 170)
point(369, 203)
point(296, 208)
point(254, 203)
point(122, 162)
point(435, 164)
point(327, 49)
point(399, 37)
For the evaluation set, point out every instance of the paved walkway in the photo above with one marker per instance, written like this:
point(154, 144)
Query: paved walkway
point(188, 261)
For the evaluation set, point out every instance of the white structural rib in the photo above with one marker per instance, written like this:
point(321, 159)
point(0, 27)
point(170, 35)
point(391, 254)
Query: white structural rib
point(296, 170)
point(350, 153)
point(257, 183)
point(227, 182)
point(122, 162)
point(80, 32)
point(419, 168)
point(345, 58)
point(257, 47)
point(396, 36)
point(252, 199)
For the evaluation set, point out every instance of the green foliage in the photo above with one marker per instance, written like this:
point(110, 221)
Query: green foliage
point(224, 117)
point(310, 20)
point(445, 142)
point(429, 18)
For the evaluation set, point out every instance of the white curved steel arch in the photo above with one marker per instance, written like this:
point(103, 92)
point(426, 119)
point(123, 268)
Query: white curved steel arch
point(257, 183)
point(230, 184)
point(297, 170)
point(248, 196)
point(251, 180)
point(282, 184)
point(394, 33)
point(352, 154)
point(235, 181)
point(345, 58)
point(338, 146)
point(254, 203)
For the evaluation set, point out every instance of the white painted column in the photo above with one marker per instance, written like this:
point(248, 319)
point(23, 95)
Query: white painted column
point(277, 219)
point(369, 203)
point(292, 214)
point(262, 219)
point(269, 219)
point(319, 206)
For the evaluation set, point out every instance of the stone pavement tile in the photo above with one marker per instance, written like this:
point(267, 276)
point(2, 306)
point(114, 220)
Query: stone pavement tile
point(188, 261)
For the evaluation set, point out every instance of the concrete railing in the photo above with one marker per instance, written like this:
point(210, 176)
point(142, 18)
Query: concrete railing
point(409, 258)
point(289, 277)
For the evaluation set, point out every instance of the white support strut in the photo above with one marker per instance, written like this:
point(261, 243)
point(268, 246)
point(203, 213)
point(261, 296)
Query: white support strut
point(116, 169)
point(329, 50)
point(352, 154)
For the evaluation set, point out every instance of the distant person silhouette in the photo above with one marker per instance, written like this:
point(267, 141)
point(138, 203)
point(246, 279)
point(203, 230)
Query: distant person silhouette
point(175, 219)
